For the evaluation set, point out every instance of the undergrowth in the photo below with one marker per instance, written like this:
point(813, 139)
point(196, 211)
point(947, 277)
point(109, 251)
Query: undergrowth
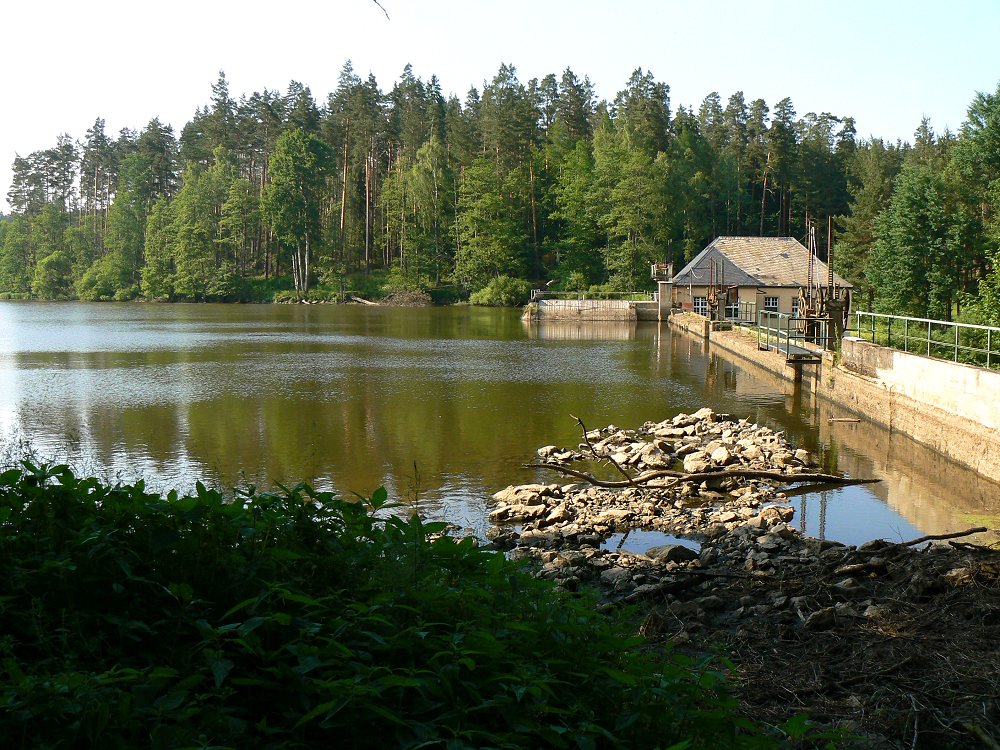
point(299, 619)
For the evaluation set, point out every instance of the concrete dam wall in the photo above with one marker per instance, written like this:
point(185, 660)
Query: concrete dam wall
point(951, 408)
point(554, 310)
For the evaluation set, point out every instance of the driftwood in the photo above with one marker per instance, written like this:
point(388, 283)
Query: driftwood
point(681, 476)
point(953, 535)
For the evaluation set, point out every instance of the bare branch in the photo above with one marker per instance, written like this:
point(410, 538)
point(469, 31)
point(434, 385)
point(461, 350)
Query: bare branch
point(383, 10)
point(954, 535)
point(622, 471)
point(680, 476)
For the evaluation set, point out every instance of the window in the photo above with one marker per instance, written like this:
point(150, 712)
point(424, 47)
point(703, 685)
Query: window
point(795, 307)
point(771, 303)
point(701, 305)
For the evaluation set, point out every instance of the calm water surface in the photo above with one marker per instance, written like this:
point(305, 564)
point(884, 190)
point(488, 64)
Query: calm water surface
point(443, 405)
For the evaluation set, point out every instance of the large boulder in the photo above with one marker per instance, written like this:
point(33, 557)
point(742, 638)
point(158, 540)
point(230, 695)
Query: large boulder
point(671, 553)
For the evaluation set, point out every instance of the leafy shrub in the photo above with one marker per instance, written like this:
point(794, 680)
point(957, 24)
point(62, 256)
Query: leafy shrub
point(298, 619)
point(575, 282)
point(52, 276)
point(104, 280)
point(225, 285)
point(503, 291)
point(259, 289)
point(446, 295)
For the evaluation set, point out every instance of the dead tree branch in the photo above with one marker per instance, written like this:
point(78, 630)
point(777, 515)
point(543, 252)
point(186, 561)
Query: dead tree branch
point(586, 438)
point(680, 476)
point(953, 535)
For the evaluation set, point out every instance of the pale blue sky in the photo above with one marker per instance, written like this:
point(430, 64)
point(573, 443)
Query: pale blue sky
point(885, 63)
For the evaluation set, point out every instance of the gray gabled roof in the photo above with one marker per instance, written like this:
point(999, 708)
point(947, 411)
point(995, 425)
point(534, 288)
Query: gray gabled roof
point(755, 261)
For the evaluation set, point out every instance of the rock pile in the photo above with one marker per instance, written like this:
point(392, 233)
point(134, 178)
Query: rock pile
point(565, 525)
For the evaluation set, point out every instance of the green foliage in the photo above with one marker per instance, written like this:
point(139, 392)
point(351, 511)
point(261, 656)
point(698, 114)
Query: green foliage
point(15, 268)
point(914, 265)
point(503, 291)
point(445, 295)
point(159, 272)
point(536, 181)
point(400, 279)
point(575, 282)
point(291, 202)
point(985, 310)
point(107, 279)
point(259, 289)
point(52, 276)
point(491, 239)
point(299, 619)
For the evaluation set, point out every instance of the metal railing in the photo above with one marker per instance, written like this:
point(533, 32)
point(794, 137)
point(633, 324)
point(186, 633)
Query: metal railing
point(745, 313)
point(537, 294)
point(959, 342)
point(793, 335)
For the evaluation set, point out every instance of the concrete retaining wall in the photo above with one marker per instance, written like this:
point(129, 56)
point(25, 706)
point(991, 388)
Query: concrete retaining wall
point(962, 390)
point(952, 409)
point(587, 309)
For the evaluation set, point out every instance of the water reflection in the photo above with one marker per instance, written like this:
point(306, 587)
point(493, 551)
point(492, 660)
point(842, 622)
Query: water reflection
point(442, 406)
point(585, 330)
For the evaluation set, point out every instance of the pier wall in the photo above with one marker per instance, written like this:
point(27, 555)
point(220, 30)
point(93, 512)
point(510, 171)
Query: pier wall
point(587, 309)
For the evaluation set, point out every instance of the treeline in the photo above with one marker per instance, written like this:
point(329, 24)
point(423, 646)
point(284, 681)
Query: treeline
point(537, 181)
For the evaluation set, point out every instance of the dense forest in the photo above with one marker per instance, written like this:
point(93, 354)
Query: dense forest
point(276, 195)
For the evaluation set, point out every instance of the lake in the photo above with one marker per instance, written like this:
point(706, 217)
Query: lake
point(442, 406)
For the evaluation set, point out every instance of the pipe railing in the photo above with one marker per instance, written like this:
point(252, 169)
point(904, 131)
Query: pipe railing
point(537, 294)
point(959, 342)
point(782, 331)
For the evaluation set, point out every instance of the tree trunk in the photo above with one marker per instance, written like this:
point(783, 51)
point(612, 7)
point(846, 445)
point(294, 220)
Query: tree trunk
point(534, 215)
point(763, 194)
point(368, 210)
point(305, 270)
point(343, 194)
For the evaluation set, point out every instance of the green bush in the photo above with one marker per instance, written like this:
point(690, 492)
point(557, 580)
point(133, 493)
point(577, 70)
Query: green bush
point(445, 295)
point(259, 289)
point(576, 281)
point(503, 291)
point(52, 277)
point(299, 619)
point(103, 280)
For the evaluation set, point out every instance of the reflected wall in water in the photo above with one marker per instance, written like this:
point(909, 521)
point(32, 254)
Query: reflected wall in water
point(589, 330)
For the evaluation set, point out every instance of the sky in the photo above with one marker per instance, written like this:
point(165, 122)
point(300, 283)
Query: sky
point(886, 63)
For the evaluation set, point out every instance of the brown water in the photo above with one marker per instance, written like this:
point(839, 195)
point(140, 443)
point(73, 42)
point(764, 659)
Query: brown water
point(441, 404)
